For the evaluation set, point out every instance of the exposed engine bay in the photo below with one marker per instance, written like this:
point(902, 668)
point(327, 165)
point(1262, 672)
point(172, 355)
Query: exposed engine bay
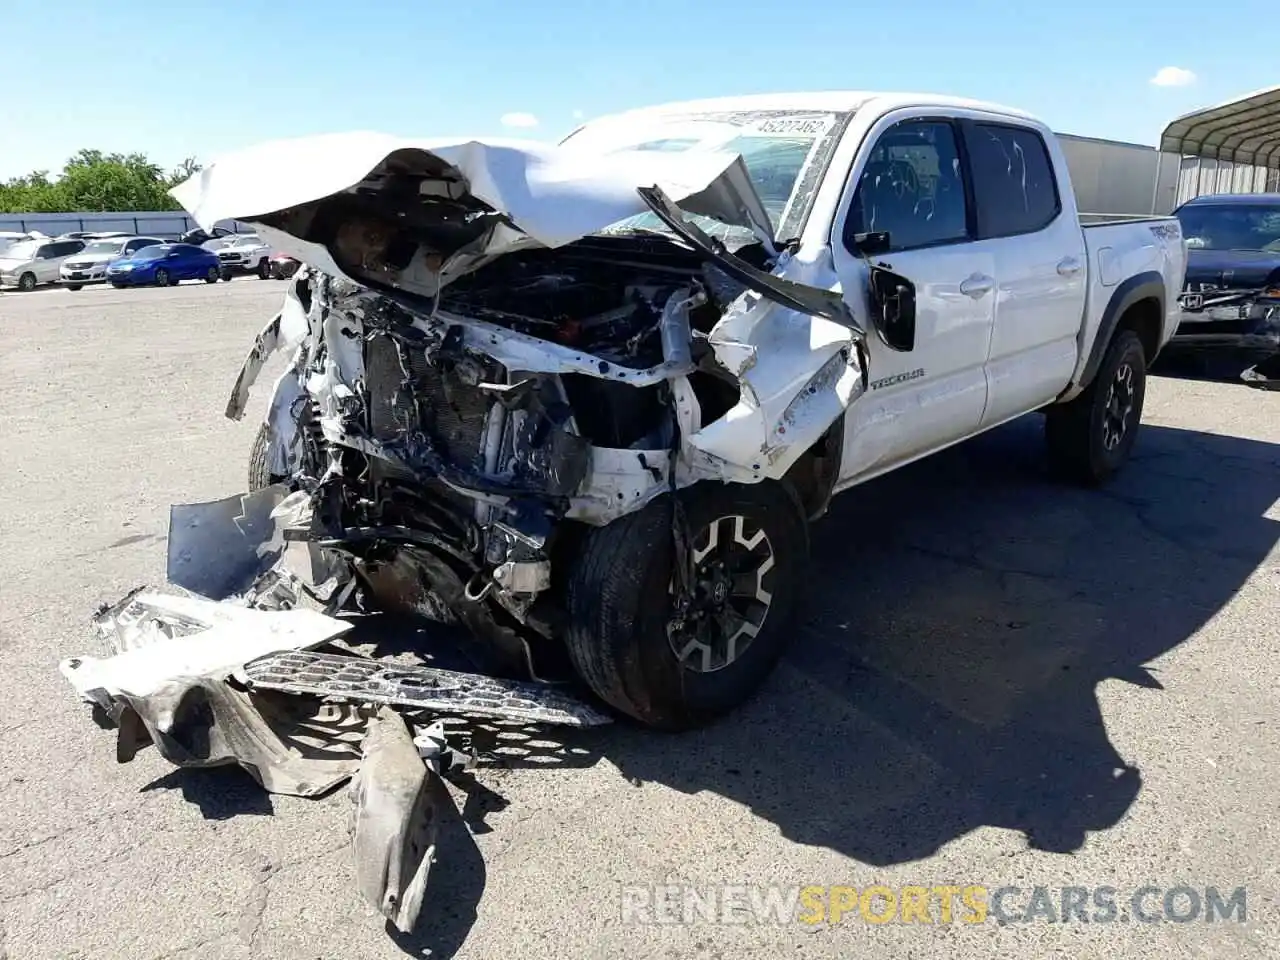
point(452, 480)
point(457, 419)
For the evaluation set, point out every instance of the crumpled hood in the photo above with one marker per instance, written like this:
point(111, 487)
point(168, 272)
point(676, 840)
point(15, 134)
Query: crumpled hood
point(509, 194)
point(1233, 269)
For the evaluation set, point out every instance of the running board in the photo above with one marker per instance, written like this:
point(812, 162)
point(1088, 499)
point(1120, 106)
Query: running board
point(419, 688)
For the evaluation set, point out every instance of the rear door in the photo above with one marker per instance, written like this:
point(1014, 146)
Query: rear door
point(912, 183)
point(58, 253)
point(1035, 237)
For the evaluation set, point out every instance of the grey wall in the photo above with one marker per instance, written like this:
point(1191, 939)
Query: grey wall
point(1111, 177)
point(163, 224)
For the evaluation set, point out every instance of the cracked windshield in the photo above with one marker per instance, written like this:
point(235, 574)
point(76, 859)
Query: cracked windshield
point(779, 152)
point(1232, 227)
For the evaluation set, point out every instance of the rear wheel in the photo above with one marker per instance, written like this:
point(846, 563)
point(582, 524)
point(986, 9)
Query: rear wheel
point(264, 270)
point(211, 275)
point(675, 668)
point(162, 277)
point(1090, 438)
point(27, 282)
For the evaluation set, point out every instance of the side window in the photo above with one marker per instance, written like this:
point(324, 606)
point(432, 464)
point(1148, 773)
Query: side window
point(66, 248)
point(1013, 183)
point(912, 188)
point(47, 252)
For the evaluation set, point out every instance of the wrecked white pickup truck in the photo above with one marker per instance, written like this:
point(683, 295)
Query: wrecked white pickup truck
point(585, 399)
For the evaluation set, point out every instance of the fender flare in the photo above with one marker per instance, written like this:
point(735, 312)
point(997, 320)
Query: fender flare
point(1142, 286)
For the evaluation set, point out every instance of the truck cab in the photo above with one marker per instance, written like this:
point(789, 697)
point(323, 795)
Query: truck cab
point(972, 204)
point(585, 398)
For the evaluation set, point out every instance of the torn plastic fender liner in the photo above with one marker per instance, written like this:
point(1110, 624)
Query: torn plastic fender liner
point(166, 684)
point(288, 328)
point(394, 821)
point(290, 745)
point(219, 549)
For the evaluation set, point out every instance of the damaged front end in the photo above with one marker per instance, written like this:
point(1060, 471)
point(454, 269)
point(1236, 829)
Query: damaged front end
point(1244, 320)
point(463, 400)
point(483, 367)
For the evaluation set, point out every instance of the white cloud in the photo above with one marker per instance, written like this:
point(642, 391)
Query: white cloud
point(523, 120)
point(1173, 77)
point(578, 114)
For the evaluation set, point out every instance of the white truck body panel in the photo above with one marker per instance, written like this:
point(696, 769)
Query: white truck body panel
point(1005, 323)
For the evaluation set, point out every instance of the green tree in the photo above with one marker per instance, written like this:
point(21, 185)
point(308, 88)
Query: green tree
point(93, 182)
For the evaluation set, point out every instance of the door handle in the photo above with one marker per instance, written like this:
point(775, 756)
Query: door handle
point(977, 286)
point(1068, 267)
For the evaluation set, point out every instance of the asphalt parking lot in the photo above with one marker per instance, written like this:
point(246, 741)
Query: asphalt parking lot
point(997, 681)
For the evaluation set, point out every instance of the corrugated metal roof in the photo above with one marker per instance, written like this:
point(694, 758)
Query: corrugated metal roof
point(1246, 130)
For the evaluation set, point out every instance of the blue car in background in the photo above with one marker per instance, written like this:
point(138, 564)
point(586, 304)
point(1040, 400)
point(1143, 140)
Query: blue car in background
point(164, 264)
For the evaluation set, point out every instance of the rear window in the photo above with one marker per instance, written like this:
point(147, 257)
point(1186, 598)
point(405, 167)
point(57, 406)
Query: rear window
point(1013, 180)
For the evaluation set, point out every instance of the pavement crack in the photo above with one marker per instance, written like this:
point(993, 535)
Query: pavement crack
point(251, 914)
point(187, 948)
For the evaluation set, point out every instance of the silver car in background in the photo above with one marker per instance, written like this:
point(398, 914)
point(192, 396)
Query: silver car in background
point(29, 263)
point(90, 264)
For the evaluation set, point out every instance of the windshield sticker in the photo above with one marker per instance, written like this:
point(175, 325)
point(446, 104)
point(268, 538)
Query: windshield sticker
point(809, 126)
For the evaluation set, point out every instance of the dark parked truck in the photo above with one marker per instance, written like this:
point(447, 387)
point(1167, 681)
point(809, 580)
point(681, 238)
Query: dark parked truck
point(580, 404)
point(1232, 295)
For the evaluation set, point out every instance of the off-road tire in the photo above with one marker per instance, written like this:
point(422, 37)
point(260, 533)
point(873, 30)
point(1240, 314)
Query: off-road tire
point(1074, 431)
point(619, 606)
point(259, 472)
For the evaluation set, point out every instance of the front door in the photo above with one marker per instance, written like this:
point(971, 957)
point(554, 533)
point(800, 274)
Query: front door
point(913, 186)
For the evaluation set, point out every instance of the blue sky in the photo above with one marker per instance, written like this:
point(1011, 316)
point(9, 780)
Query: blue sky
point(177, 78)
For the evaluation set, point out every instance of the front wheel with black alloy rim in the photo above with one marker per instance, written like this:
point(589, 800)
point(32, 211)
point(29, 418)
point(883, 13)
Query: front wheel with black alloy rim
point(1090, 438)
point(678, 647)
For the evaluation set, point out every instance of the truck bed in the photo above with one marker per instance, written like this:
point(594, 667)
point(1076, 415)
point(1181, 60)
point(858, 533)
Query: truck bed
point(1103, 219)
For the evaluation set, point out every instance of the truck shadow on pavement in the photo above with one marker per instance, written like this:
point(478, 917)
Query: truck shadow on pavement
point(958, 619)
point(960, 615)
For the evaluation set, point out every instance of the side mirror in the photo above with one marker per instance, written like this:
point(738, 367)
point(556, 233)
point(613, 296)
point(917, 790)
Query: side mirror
point(893, 309)
point(872, 244)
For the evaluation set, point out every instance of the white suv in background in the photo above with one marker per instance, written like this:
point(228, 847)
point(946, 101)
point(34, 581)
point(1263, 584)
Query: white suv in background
point(29, 263)
point(90, 264)
point(243, 253)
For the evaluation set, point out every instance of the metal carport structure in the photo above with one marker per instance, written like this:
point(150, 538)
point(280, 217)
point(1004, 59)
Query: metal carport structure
point(1241, 132)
